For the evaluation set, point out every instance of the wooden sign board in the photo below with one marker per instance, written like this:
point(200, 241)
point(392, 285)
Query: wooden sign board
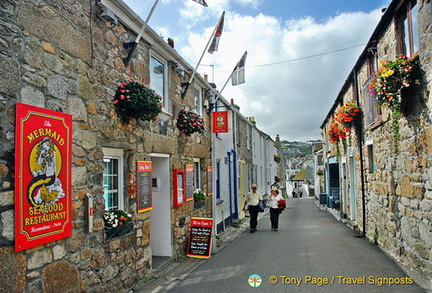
point(43, 162)
point(200, 238)
point(144, 186)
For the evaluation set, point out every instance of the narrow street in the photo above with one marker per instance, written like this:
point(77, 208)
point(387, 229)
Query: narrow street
point(311, 252)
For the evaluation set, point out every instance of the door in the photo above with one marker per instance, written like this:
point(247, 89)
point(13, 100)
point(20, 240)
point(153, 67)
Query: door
point(160, 215)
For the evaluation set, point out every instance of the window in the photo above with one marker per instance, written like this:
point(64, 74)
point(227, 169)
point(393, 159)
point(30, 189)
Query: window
point(113, 178)
point(158, 80)
point(371, 159)
point(197, 174)
point(408, 29)
point(198, 101)
point(372, 109)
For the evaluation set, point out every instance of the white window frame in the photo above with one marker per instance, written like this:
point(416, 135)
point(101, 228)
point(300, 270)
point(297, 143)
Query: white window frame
point(116, 154)
point(197, 174)
point(198, 100)
point(162, 92)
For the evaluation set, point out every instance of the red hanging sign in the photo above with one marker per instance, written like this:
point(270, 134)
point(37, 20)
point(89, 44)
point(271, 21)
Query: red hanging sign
point(43, 196)
point(220, 121)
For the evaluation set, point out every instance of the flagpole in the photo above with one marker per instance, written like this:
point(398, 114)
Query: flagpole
point(132, 46)
point(220, 92)
point(202, 55)
point(146, 21)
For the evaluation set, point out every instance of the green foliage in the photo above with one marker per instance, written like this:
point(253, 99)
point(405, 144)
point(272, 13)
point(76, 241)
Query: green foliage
point(136, 100)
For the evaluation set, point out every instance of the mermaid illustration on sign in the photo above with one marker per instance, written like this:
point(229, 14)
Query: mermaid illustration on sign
point(45, 165)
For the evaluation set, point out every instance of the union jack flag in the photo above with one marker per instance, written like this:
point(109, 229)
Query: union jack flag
point(217, 34)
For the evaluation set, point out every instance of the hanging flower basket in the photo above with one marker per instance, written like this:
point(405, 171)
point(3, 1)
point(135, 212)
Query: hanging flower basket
point(136, 100)
point(346, 115)
point(336, 131)
point(189, 122)
point(392, 77)
point(390, 81)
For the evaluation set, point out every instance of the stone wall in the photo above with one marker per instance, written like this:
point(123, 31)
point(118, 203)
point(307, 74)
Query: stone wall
point(58, 55)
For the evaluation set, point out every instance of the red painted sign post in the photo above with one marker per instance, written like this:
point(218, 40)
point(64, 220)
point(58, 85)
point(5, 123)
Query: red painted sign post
point(43, 160)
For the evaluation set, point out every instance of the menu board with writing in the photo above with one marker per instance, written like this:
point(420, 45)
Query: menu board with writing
point(200, 238)
point(189, 182)
point(144, 186)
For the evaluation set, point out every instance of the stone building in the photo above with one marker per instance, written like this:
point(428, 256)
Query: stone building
point(63, 56)
point(380, 170)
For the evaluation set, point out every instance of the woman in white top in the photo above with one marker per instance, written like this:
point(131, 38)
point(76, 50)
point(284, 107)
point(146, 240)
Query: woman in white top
point(273, 199)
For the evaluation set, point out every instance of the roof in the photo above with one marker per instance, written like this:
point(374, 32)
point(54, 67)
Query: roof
point(304, 174)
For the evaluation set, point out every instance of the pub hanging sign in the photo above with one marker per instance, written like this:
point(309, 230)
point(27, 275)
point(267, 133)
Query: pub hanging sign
point(43, 199)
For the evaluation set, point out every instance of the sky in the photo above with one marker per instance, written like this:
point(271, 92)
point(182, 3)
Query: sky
point(300, 52)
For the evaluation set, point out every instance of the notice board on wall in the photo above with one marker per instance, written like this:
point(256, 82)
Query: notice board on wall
point(144, 186)
point(200, 238)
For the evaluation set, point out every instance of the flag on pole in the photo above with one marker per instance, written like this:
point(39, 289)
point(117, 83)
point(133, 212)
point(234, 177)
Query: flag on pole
point(238, 76)
point(217, 34)
point(202, 2)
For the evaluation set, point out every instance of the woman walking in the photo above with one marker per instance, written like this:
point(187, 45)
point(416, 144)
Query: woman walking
point(273, 199)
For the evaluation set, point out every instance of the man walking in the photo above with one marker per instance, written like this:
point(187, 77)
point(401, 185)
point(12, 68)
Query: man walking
point(252, 200)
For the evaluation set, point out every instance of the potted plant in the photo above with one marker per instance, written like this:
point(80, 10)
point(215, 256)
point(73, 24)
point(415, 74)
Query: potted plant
point(134, 99)
point(346, 115)
point(199, 199)
point(388, 84)
point(336, 131)
point(117, 223)
point(392, 77)
point(189, 122)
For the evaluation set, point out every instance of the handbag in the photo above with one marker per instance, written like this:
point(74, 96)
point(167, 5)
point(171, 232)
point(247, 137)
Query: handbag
point(261, 208)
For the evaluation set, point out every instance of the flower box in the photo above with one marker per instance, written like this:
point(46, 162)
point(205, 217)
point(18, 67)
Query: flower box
point(114, 232)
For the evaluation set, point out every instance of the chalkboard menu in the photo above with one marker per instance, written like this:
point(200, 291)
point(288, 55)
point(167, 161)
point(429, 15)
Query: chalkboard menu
point(189, 182)
point(200, 238)
point(144, 186)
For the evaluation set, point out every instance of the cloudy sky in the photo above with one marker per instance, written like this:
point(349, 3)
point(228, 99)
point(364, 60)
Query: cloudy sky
point(300, 52)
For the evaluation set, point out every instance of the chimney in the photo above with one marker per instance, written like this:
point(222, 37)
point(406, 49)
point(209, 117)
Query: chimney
point(206, 77)
point(171, 42)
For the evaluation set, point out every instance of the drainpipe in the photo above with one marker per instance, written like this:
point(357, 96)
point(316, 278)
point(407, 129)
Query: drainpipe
point(235, 183)
point(359, 128)
point(229, 185)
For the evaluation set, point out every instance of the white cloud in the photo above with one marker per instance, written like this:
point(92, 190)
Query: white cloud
point(286, 98)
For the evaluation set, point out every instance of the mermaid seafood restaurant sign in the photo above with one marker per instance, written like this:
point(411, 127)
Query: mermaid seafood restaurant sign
point(43, 199)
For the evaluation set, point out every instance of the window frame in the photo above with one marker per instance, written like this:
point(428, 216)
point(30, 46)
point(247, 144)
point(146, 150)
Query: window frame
point(154, 85)
point(406, 23)
point(115, 154)
point(198, 101)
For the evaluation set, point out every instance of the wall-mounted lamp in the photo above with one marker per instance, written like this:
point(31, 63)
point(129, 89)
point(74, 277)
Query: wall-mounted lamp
point(107, 15)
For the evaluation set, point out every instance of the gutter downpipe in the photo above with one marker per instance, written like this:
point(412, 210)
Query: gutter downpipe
point(229, 185)
point(360, 132)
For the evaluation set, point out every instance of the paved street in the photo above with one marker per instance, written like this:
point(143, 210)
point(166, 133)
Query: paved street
point(311, 252)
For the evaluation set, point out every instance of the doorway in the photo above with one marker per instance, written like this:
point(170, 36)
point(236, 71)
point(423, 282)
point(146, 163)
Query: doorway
point(160, 215)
